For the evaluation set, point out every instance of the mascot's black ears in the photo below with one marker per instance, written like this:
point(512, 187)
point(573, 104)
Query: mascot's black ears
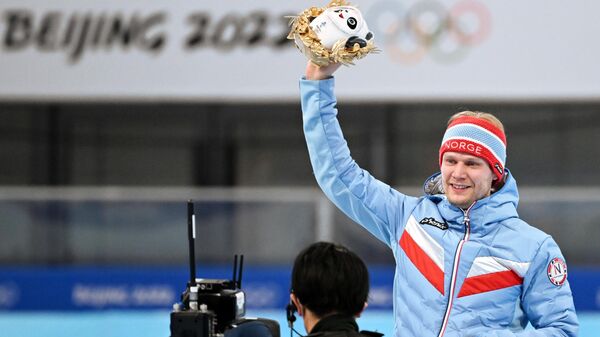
point(355, 39)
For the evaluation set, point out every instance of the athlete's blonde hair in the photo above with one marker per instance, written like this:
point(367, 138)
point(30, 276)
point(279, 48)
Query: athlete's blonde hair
point(478, 114)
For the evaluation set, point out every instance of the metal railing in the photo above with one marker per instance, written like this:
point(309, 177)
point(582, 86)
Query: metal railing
point(146, 225)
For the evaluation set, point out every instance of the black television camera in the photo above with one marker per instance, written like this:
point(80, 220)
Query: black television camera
point(213, 308)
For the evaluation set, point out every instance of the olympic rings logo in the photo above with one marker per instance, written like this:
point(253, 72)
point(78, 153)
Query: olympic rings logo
point(407, 35)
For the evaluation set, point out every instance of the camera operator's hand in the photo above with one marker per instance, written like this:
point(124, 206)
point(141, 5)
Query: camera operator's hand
point(314, 72)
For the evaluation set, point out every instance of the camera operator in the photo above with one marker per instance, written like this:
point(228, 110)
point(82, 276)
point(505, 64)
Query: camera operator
point(330, 285)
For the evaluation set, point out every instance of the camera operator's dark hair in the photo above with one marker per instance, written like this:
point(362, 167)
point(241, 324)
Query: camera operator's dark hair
point(329, 278)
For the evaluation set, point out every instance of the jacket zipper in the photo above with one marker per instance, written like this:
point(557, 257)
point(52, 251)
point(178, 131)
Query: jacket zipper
point(461, 243)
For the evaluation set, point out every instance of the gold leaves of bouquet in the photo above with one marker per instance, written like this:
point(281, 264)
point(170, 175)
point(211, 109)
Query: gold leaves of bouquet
point(314, 38)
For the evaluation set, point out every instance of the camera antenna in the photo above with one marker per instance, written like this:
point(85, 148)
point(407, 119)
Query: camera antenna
point(239, 281)
point(235, 261)
point(192, 240)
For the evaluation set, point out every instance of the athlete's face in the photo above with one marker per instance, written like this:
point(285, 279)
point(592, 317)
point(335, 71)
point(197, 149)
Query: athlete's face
point(466, 178)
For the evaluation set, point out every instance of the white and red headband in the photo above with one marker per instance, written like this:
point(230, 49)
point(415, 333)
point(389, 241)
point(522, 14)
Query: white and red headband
point(477, 137)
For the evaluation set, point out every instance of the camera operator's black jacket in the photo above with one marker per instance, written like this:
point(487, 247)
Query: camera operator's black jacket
point(339, 325)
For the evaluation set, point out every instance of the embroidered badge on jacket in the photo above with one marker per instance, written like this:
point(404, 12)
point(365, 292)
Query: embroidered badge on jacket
point(557, 271)
point(434, 222)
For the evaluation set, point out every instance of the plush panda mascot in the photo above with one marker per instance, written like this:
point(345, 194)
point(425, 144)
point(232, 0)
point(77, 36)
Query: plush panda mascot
point(336, 33)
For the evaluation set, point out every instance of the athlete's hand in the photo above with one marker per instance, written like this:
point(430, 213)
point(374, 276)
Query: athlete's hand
point(314, 72)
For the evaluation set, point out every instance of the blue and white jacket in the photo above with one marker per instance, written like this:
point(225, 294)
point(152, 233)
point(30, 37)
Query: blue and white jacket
point(478, 272)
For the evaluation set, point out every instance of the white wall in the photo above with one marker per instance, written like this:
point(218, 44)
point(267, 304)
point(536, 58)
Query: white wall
point(509, 50)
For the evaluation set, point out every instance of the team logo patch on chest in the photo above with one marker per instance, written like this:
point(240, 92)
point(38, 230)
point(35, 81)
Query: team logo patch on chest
point(434, 222)
point(557, 271)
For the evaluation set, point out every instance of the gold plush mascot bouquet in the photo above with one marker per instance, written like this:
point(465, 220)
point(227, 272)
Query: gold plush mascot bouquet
point(336, 33)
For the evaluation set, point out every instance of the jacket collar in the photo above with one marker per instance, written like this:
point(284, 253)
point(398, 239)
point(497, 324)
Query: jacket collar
point(486, 212)
point(335, 322)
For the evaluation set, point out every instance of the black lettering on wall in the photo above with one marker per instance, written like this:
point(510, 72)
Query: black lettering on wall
point(70, 31)
point(78, 46)
point(197, 37)
point(254, 29)
point(281, 40)
point(47, 36)
point(148, 38)
point(18, 29)
point(119, 31)
point(257, 28)
point(77, 33)
point(98, 31)
point(227, 32)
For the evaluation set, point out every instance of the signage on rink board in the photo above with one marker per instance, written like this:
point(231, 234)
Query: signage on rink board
point(91, 288)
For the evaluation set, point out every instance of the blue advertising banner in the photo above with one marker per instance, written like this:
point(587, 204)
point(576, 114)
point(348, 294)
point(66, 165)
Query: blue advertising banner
point(99, 288)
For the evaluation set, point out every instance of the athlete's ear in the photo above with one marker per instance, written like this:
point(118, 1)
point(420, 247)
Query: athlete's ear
point(297, 304)
point(361, 310)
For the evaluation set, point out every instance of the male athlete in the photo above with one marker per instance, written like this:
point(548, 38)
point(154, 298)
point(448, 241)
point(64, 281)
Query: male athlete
point(466, 264)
